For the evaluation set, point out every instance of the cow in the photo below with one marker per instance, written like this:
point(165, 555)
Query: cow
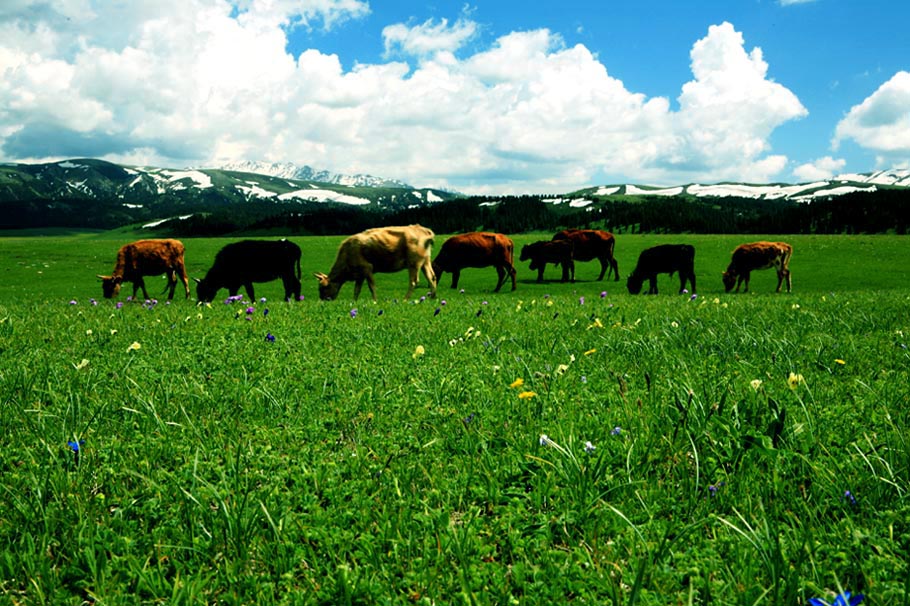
point(476, 249)
point(380, 250)
point(242, 263)
point(147, 258)
point(663, 259)
point(590, 244)
point(758, 255)
point(548, 251)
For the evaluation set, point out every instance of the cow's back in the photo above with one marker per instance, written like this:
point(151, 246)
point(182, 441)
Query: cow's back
point(150, 257)
point(475, 249)
point(588, 244)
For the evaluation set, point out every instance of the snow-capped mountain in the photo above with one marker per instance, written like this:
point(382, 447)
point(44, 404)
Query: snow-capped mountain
point(288, 170)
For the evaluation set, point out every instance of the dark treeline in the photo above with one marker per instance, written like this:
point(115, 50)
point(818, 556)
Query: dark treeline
point(883, 211)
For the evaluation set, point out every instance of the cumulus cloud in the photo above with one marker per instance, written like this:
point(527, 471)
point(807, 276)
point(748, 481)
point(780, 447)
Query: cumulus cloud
point(428, 38)
point(205, 82)
point(819, 170)
point(881, 123)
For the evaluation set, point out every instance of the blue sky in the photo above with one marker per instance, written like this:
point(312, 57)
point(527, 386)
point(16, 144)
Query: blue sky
point(484, 97)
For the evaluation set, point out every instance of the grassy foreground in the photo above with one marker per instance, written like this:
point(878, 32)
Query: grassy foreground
point(560, 443)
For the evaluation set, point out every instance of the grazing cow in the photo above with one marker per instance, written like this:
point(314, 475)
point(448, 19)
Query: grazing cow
point(758, 255)
point(380, 250)
point(663, 259)
point(549, 251)
point(147, 258)
point(476, 249)
point(242, 263)
point(590, 244)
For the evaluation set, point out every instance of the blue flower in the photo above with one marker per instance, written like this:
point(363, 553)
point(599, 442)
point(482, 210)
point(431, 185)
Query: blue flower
point(75, 446)
point(269, 337)
point(843, 599)
point(354, 313)
point(436, 313)
point(265, 312)
point(616, 431)
point(849, 498)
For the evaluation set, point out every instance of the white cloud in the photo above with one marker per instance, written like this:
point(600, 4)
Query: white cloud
point(819, 170)
point(428, 38)
point(881, 123)
point(197, 82)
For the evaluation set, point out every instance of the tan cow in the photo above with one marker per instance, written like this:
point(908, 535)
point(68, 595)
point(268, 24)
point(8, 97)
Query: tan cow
point(147, 258)
point(380, 250)
point(758, 255)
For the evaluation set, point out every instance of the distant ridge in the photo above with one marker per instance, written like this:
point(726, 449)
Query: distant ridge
point(288, 170)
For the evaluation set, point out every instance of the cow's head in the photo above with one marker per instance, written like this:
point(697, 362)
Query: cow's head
point(729, 278)
point(526, 252)
point(110, 285)
point(205, 291)
point(633, 283)
point(327, 290)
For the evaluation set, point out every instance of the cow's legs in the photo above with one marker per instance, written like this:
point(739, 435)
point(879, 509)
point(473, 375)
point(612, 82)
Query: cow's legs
point(291, 288)
point(137, 284)
point(744, 280)
point(615, 265)
point(456, 274)
point(358, 284)
point(511, 269)
point(652, 280)
point(783, 274)
point(431, 277)
point(248, 287)
point(500, 277)
point(603, 268)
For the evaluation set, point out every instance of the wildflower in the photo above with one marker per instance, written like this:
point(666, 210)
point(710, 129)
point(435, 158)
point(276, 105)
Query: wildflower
point(674, 324)
point(88, 332)
point(93, 302)
point(844, 599)
point(526, 395)
point(603, 294)
point(354, 313)
point(119, 304)
point(685, 291)
point(561, 369)
point(581, 300)
point(468, 419)
point(423, 298)
point(438, 309)
point(616, 431)
point(74, 302)
point(301, 298)
point(584, 379)
point(589, 448)
point(81, 364)
point(849, 498)
point(712, 490)
point(695, 296)
point(265, 312)
point(134, 346)
point(461, 292)
point(839, 361)
point(716, 301)
point(74, 445)
point(380, 313)
point(517, 383)
point(596, 324)
point(262, 300)
point(755, 384)
point(544, 439)
point(418, 351)
point(591, 351)
point(794, 306)
point(795, 380)
point(250, 310)
point(113, 331)
point(269, 337)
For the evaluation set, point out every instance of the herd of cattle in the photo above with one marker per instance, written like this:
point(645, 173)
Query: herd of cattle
point(392, 249)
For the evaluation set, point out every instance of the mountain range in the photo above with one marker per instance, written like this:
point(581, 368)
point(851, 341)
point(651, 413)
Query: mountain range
point(94, 192)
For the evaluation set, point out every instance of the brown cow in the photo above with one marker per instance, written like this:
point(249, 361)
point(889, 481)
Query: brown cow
point(549, 251)
point(758, 255)
point(476, 249)
point(380, 250)
point(147, 258)
point(590, 244)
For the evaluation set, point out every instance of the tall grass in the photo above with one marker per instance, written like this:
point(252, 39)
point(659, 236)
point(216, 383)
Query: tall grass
point(727, 449)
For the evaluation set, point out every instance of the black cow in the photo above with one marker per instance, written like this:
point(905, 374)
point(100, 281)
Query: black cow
point(242, 263)
point(550, 251)
point(663, 259)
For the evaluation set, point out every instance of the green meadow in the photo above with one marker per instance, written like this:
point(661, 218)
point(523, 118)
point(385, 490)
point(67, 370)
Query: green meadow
point(563, 443)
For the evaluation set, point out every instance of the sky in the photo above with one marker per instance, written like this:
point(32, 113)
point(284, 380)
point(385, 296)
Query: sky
point(489, 97)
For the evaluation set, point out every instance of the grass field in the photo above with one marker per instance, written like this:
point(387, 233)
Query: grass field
point(562, 443)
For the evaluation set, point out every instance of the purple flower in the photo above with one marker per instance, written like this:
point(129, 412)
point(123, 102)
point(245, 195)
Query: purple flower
point(685, 291)
point(581, 300)
point(93, 302)
point(443, 302)
point(603, 294)
point(354, 313)
point(269, 337)
point(74, 302)
point(250, 310)
point(119, 304)
point(693, 297)
point(713, 490)
point(616, 431)
point(849, 498)
point(301, 298)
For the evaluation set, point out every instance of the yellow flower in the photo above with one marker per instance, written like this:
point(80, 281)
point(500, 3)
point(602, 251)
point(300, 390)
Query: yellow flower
point(591, 351)
point(755, 383)
point(418, 351)
point(839, 361)
point(596, 324)
point(81, 364)
point(517, 383)
point(88, 332)
point(526, 395)
point(562, 368)
point(135, 346)
point(795, 380)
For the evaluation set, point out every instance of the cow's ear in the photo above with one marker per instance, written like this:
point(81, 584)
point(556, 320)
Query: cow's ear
point(320, 276)
point(102, 278)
